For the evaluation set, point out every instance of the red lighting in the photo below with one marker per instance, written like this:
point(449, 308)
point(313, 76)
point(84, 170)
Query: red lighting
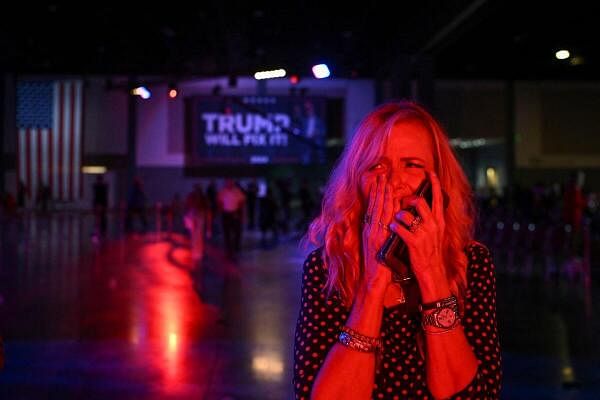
point(294, 79)
point(173, 93)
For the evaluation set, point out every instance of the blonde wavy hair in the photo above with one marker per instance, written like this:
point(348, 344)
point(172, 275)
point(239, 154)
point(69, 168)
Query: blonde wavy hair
point(338, 228)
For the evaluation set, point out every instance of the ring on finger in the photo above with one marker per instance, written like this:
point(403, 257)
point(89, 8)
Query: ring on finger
point(415, 224)
point(383, 226)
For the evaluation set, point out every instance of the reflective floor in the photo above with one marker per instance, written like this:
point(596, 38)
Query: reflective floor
point(129, 317)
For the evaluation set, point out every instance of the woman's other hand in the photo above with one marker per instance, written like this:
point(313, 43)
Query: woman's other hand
point(376, 230)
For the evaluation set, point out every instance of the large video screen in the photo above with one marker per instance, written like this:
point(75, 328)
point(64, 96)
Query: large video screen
point(242, 130)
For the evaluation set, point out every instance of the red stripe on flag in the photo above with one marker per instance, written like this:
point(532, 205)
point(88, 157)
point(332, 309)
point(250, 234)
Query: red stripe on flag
point(39, 158)
point(82, 102)
point(28, 159)
point(50, 169)
point(20, 156)
point(60, 140)
point(71, 145)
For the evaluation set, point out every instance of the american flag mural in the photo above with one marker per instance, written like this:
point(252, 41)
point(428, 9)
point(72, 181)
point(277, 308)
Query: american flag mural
point(50, 137)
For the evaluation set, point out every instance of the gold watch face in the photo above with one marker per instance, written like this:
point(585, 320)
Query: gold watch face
point(446, 317)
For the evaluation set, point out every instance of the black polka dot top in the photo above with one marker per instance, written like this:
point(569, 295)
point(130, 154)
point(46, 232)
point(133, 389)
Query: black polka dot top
point(401, 372)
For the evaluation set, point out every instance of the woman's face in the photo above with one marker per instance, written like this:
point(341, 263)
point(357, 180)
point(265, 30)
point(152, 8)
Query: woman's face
point(406, 156)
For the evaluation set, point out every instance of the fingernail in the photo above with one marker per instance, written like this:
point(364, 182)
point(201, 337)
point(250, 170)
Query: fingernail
point(393, 226)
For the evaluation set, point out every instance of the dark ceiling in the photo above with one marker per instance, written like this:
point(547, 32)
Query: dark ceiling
point(465, 39)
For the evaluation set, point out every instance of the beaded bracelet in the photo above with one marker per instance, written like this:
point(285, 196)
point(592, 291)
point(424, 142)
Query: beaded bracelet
point(354, 340)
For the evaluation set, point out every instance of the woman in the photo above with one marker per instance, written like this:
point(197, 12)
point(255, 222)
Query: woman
point(362, 333)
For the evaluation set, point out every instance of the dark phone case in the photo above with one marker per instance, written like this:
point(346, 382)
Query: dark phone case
point(394, 253)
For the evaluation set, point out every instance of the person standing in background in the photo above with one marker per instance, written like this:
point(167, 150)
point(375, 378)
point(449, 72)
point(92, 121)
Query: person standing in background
point(251, 193)
point(573, 206)
point(174, 213)
point(285, 196)
point(313, 129)
point(22, 194)
point(231, 202)
point(100, 205)
point(211, 195)
point(42, 197)
point(573, 203)
point(269, 210)
point(136, 206)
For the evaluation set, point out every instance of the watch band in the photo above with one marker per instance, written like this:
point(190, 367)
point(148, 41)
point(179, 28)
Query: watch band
point(448, 301)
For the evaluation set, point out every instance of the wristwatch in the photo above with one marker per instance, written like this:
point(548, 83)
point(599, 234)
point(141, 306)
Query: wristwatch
point(445, 314)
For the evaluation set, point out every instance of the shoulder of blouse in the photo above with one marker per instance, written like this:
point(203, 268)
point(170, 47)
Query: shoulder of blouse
point(477, 251)
point(480, 267)
point(314, 261)
point(314, 270)
point(315, 256)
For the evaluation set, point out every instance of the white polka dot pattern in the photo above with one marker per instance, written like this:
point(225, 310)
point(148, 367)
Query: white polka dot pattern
point(401, 373)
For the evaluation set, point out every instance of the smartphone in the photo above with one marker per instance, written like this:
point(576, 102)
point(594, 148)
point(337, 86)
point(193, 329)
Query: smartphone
point(394, 253)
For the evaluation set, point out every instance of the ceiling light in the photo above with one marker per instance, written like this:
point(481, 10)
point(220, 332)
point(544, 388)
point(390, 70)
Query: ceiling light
point(141, 91)
point(276, 73)
point(93, 169)
point(562, 54)
point(321, 71)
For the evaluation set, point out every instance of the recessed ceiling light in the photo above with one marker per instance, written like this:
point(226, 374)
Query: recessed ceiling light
point(562, 54)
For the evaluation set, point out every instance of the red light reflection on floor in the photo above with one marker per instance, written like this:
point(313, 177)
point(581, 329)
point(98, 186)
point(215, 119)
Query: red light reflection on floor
point(167, 314)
